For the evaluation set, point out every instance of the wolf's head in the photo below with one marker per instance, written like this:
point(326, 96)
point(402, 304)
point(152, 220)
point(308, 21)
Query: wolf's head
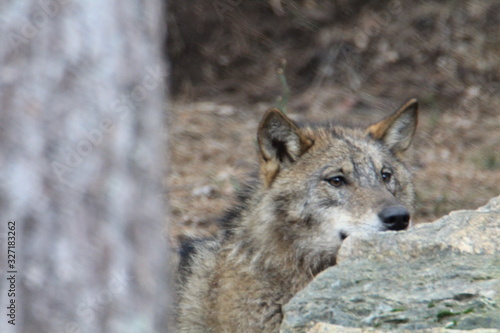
point(323, 183)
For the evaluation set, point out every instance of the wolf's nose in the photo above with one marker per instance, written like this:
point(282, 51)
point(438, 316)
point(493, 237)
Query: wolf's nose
point(395, 217)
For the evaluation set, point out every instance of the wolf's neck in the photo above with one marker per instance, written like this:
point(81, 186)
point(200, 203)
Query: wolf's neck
point(257, 247)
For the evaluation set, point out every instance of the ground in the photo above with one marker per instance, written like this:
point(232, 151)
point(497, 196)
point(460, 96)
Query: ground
point(347, 61)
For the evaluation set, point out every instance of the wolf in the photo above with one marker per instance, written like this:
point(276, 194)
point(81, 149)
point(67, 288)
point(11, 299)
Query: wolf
point(316, 186)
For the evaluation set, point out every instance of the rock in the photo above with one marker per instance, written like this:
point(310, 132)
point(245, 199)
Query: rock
point(429, 292)
point(436, 276)
point(329, 328)
point(463, 231)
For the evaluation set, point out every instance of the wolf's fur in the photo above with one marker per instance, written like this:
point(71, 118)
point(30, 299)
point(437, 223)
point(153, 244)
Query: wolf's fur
point(317, 185)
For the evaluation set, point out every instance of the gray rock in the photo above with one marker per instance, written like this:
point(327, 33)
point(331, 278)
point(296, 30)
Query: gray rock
point(330, 328)
point(462, 231)
point(439, 275)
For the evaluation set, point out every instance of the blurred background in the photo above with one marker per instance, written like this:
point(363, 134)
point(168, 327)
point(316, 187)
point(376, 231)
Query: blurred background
point(340, 60)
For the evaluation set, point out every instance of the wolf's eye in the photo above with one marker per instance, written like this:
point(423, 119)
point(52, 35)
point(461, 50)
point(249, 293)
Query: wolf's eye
point(336, 181)
point(386, 176)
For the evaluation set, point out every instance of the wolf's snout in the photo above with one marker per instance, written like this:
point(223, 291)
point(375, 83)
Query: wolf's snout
point(395, 217)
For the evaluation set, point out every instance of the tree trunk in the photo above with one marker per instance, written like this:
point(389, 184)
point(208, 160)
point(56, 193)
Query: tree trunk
point(82, 138)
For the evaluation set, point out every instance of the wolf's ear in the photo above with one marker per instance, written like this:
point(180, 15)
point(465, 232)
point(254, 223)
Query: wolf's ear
point(280, 143)
point(396, 131)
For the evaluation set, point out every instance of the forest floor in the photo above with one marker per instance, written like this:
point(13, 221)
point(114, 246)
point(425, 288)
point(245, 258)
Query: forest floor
point(455, 156)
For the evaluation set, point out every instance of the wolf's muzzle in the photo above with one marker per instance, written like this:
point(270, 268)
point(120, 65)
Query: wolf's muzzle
point(395, 217)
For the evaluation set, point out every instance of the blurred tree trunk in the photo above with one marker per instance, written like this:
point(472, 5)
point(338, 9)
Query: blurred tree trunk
point(82, 99)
